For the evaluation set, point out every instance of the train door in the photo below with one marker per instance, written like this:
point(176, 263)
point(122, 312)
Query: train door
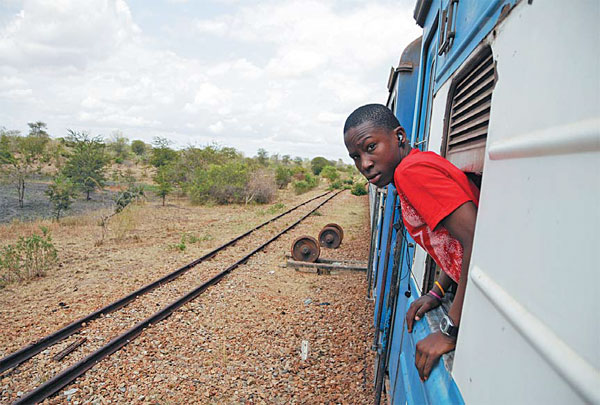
point(402, 84)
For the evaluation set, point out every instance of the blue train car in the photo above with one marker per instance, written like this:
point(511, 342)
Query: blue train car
point(509, 92)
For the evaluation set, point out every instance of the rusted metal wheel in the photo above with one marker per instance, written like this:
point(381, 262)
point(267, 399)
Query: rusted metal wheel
point(306, 249)
point(330, 237)
point(339, 228)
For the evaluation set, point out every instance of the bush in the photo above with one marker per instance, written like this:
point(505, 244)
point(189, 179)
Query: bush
point(222, 184)
point(133, 193)
point(359, 189)
point(261, 187)
point(308, 183)
point(301, 187)
point(299, 173)
point(318, 163)
point(138, 147)
point(336, 185)
point(330, 173)
point(283, 176)
point(29, 258)
point(61, 193)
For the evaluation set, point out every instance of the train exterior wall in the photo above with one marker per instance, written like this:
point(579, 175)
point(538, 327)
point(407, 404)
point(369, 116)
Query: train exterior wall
point(530, 325)
point(530, 329)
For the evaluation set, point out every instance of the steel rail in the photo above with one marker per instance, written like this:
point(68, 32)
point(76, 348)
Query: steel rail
point(67, 376)
point(27, 352)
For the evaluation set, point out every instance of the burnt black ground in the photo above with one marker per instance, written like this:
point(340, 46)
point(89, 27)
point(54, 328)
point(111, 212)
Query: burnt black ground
point(37, 206)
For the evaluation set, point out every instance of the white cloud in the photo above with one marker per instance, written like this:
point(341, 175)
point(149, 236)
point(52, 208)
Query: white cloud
point(217, 127)
point(282, 74)
point(17, 93)
point(65, 33)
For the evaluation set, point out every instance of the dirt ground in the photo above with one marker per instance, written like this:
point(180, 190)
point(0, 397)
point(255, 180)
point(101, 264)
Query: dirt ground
point(238, 343)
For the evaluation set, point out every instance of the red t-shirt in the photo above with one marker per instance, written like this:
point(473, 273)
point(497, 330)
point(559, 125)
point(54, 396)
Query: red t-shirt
point(430, 188)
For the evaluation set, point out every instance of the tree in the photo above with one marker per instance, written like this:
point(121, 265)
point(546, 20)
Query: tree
point(86, 163)
point(262, 156)
point(163, 178)
point(317, 164)
point(119, 145)
point(22, 156)
point(330, 173)
point(275, 158)
point(138, 147)
point(162, 154)
point(38, 129)
point(61, 194)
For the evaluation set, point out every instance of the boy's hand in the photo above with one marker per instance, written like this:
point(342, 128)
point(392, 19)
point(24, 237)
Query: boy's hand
point(429, 350)
point(418, 308)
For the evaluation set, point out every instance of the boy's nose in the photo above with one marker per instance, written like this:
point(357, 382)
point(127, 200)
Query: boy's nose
point(367, 164)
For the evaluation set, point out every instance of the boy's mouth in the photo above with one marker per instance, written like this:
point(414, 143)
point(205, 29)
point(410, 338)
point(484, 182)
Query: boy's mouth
point(374, 179)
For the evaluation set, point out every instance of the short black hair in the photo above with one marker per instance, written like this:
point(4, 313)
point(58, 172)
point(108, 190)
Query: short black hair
point(377, 114)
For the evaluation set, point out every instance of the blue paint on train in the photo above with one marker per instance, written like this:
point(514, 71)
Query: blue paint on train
point(473, 21)
point(452, 30)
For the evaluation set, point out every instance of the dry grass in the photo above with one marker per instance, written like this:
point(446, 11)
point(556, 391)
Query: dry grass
point(134, 251)
point(124, 223)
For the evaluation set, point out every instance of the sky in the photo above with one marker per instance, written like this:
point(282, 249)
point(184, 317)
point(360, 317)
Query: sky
point(279, 75)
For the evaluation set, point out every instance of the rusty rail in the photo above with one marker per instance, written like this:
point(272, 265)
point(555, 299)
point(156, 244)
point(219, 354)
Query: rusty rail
point(27, 352)
point(64, 378)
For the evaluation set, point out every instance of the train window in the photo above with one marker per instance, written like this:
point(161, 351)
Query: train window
point(468, 114)
point(466, 126)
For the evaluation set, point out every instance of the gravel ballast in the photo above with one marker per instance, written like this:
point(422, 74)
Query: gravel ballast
point(240, 342)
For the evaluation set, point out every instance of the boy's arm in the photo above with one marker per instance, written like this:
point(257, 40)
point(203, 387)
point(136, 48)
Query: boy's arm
point(461, 225)
point(426, 303)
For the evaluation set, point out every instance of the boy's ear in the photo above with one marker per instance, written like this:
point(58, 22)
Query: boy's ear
point(401, 134)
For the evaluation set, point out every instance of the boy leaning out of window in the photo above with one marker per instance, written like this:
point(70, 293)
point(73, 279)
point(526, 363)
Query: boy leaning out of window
point(439, 208)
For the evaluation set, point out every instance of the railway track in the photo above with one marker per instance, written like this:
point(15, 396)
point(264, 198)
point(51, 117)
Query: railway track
point(87, 336)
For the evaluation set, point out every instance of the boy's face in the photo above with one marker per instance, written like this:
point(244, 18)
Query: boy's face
point(375, 151)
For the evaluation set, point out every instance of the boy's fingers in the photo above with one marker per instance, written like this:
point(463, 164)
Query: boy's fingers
point(421, 365)
point(419, 357)
point(431, 360)
point(411, 315)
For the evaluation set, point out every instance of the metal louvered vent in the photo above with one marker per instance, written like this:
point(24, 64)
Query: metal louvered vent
point(470, 115)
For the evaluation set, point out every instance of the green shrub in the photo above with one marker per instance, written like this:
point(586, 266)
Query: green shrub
point(359, 188)
point(336, 185)
point(138, 147)
point(305, 185)
point(311, 180)
point(330, 173)
point(61, 193)
point(301, 187)
point(188, 238)
point(133, 193)
point(283, 176)
point(29, 258)
point(222, 184)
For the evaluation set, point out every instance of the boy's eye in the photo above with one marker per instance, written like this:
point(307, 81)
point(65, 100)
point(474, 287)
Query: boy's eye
point(370, 147)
